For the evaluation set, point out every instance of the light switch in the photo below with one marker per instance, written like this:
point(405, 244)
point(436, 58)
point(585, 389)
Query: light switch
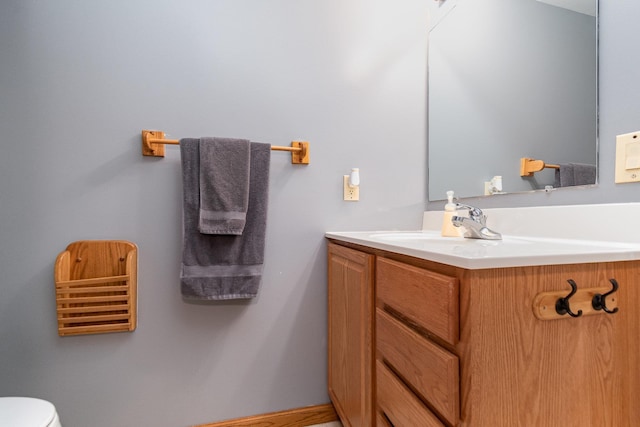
point(632, 153)
point(628, 157)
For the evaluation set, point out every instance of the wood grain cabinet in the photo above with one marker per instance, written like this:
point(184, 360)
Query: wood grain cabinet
point(445, 346)
point(350, 334)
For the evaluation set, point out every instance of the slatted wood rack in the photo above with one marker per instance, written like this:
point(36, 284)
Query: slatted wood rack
point(96, 287)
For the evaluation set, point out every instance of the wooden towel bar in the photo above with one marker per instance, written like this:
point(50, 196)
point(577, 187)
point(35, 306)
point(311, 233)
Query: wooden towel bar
point(153, 142)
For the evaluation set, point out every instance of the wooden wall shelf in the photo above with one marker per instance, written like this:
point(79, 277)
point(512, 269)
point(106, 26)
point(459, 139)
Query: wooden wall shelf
point(96, 287)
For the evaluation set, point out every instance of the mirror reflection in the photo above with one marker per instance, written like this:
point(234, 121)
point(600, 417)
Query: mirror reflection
point(512, 96)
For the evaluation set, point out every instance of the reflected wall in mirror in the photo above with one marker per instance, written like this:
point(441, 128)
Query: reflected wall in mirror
point(511, 79)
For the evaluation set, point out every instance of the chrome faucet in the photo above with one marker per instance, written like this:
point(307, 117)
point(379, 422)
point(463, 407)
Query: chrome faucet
point(475, 224)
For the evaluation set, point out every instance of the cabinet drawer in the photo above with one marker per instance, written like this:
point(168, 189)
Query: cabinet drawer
point(429, 299)
point(429, 369)
point(381, 420)
point(397, 402)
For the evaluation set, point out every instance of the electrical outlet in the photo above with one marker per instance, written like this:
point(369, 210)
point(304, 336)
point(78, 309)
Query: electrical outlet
point(351, 194)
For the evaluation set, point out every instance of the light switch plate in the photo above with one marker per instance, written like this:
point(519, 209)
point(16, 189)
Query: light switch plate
point(628, 158)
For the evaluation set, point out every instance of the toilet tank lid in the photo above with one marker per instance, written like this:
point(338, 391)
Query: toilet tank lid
point(26, 411)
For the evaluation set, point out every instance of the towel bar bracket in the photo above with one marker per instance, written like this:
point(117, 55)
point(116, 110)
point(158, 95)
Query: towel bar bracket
point(299, 157)
point(153, 142)
point(529, 166)
point(150, 148)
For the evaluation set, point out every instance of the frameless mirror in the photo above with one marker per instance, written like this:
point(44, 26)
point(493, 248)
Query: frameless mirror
point(511, 80)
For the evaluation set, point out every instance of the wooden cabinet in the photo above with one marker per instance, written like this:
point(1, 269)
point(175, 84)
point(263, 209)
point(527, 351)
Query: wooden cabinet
point(350, 332)
point(456, 347)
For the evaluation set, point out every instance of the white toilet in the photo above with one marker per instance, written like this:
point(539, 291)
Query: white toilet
point(27, 412)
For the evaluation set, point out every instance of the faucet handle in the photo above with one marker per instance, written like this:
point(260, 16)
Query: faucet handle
point(474, 213)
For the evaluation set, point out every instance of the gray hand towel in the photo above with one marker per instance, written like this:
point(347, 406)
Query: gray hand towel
point(220, 267)
point(570, 174)
point(224, 185)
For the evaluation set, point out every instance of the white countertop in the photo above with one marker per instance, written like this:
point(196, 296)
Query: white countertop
point(512, 251)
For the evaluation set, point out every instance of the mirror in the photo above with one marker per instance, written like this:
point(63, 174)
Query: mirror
point(511, 79)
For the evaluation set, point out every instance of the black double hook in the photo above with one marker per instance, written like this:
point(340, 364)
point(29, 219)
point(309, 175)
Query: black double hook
point(562, 304)
point(599, 301)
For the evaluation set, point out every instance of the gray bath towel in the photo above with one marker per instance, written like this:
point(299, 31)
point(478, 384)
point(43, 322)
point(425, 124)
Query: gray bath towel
point(224, 185)
point(220, 267)
point(575, 174)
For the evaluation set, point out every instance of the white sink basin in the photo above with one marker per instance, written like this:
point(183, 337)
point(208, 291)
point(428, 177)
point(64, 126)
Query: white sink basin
point(399, 236)
point(511, 251)
point(436, 238)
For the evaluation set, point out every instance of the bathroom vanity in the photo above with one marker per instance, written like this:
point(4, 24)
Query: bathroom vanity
point(425, 331)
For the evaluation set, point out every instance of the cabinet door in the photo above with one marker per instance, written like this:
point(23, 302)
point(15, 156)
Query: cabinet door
point(350, 275)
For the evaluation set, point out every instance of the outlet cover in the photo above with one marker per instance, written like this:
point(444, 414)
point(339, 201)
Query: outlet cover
point(351, 194)
point(628, 158)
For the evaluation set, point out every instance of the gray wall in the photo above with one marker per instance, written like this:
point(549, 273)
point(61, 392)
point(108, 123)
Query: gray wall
point(79, 81)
